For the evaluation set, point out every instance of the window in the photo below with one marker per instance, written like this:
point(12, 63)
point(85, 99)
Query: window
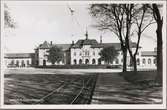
point(28, 63)
point(80, 54)
point(12, 62)
point(44, 62)
point(144, 61)
point(80, 61)
point(17, 63)
point(86, 53)
point(149, 61)
point(93, 61)
point(155, 61)
point(22, 63)
point(86, 61)
point(122, 60)
point(74, 53)
point(94, 53)
point(99, 61)
point(117, 61)
point(75, 61)
point(138, 61)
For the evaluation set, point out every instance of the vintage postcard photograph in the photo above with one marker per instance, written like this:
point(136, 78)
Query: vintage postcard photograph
point(83, 54)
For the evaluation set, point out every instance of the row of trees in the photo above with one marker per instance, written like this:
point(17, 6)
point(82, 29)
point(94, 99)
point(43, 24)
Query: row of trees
point(127, 21)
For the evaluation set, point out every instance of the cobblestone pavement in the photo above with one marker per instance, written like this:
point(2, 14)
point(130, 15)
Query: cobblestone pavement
point(113, 89)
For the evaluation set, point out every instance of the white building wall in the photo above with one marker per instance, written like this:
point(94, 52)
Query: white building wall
point(80, 53)
point(148, 64)
point(8, 61)
point(43, 56)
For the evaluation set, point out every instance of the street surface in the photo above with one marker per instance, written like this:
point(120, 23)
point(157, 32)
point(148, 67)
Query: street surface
point(66, 86)
point(113, 89)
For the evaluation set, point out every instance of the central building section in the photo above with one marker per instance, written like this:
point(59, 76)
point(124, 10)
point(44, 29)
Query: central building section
point(86, 51)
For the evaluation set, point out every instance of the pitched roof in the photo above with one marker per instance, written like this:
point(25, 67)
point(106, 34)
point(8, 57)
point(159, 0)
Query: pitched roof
point(45, 45)
point(82, 42)
point(19, 55)
point(95, 44)
point(148, 53)
point(103, 45)
point(64, 46)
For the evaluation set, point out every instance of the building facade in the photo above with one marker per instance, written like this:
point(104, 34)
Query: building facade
point(83, 52)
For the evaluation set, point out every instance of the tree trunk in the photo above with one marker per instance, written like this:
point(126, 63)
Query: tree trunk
point(159, 22)
point(159, 53)
point(124, 60)
point(134, 64)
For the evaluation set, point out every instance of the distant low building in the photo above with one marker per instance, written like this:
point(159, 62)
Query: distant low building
point(19, 59)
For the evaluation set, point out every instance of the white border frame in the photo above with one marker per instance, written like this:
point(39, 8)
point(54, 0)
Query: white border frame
point(92, 106)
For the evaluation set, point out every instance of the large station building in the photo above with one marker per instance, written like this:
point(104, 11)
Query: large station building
point(83, 52)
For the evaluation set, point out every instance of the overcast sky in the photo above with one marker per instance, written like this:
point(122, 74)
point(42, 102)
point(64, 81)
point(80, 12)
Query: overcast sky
point(52, 21)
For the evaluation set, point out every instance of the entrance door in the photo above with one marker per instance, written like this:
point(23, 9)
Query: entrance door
point(86, 61)
point(99, 61)
point(44, 62)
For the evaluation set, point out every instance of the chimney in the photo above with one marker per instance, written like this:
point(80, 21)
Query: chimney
point(86, 34)
point(101, 39)
point(72, 42)
point(51, 43)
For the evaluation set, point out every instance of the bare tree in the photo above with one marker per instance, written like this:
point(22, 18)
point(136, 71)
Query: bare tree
point(9, 22)
point(111, 17)
point(139, 17)
point(119, 19)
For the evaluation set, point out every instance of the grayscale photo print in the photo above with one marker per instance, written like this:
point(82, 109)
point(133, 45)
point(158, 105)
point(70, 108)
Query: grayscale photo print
point(83, 54)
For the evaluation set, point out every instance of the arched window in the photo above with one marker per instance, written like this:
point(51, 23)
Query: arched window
point(144, 61)
point(75, 61)
point(80, 61)
point(149, 61)
point(138, 61)
point(93, 61)
point(86, 61)
point(117, 61)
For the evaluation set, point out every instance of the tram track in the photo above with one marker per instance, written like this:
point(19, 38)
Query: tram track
point(76, 90)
